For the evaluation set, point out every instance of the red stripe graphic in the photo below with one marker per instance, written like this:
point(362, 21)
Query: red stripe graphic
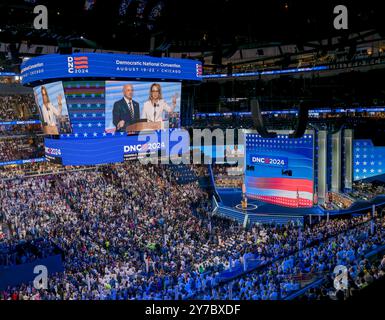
point(80, 62)
point(81, 67)
point(282, 184)
point(80, 58)
point(287, 202)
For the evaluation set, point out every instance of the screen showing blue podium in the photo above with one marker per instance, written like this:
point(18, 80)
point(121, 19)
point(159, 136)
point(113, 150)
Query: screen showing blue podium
point(164, 111)
point(280, 170)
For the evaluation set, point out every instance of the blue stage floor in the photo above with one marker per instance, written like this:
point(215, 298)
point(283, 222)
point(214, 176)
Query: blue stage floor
point(232, 197)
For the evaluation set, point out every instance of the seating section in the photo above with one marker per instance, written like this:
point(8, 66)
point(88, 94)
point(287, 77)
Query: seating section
point(21, 148)
point(18, 107)
point(182, 173)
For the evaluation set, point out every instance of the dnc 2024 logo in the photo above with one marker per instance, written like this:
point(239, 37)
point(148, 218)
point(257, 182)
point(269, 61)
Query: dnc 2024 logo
point(77, 64)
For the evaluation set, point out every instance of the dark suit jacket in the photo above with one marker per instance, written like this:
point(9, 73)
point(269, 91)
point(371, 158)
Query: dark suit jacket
point(121, 112)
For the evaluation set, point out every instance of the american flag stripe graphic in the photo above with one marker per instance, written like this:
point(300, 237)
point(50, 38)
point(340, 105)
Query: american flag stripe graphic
point(81, 62)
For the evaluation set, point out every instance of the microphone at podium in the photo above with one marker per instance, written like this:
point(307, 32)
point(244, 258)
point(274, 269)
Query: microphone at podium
point(156, 105)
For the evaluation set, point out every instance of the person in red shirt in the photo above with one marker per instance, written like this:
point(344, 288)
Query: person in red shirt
point(14, 296)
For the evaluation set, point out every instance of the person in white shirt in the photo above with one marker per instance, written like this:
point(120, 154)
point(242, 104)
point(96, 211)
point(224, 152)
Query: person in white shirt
point(153, 108)
point(49, 111)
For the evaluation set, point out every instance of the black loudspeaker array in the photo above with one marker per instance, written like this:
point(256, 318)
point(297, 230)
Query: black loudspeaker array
point(258, 120)
point(303, 117)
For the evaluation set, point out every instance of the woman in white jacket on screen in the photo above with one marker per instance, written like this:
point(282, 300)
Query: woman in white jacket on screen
point(49, 112)
point(153, 108)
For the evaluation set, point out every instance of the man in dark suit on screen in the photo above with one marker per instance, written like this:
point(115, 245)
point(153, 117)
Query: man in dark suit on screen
point(126, 111)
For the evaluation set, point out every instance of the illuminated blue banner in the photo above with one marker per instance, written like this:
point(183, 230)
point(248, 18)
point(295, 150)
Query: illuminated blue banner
point(16, 162)
point(263, 73)
point(7, 74)
point(112, 149)
point(10, 123)
point(311, 111)
point(106, 66)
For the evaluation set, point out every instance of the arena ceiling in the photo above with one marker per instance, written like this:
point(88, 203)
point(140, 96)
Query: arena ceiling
point(179, 25)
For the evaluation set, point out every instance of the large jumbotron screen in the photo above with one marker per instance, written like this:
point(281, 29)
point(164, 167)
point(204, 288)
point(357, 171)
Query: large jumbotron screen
point(280, 170)
point(95, 107)
point(100, 110)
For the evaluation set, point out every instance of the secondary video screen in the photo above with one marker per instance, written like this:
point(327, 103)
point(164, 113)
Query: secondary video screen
point(53, 108)
point(135, 106)
point(280, 170)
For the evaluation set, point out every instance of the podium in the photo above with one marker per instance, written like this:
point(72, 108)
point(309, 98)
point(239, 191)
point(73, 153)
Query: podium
point(145, 126)
point(50, 130)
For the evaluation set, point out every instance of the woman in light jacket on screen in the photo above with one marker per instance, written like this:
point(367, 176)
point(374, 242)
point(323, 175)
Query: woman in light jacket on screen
point(49, 111)
point(153, 108)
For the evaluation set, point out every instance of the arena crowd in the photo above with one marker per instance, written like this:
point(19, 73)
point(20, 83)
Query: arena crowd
point(131, 232)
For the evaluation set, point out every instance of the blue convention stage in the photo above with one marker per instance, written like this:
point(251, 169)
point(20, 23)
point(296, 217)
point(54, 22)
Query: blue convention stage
point(259, 211)
point(232, 197)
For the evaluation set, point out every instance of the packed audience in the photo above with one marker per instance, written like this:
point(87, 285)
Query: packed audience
point(360, 275)
point(21, 148)
point(19, 252)
point(36, 168)
point(16, 130)
point(18, 107)
point(276, 281)
point(122, 243)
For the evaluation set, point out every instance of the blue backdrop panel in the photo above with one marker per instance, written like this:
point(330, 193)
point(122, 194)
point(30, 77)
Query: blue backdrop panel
point(97, 65)
point(23, 273)
point(86, 105)
point(111, 149)
point(368, 160)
